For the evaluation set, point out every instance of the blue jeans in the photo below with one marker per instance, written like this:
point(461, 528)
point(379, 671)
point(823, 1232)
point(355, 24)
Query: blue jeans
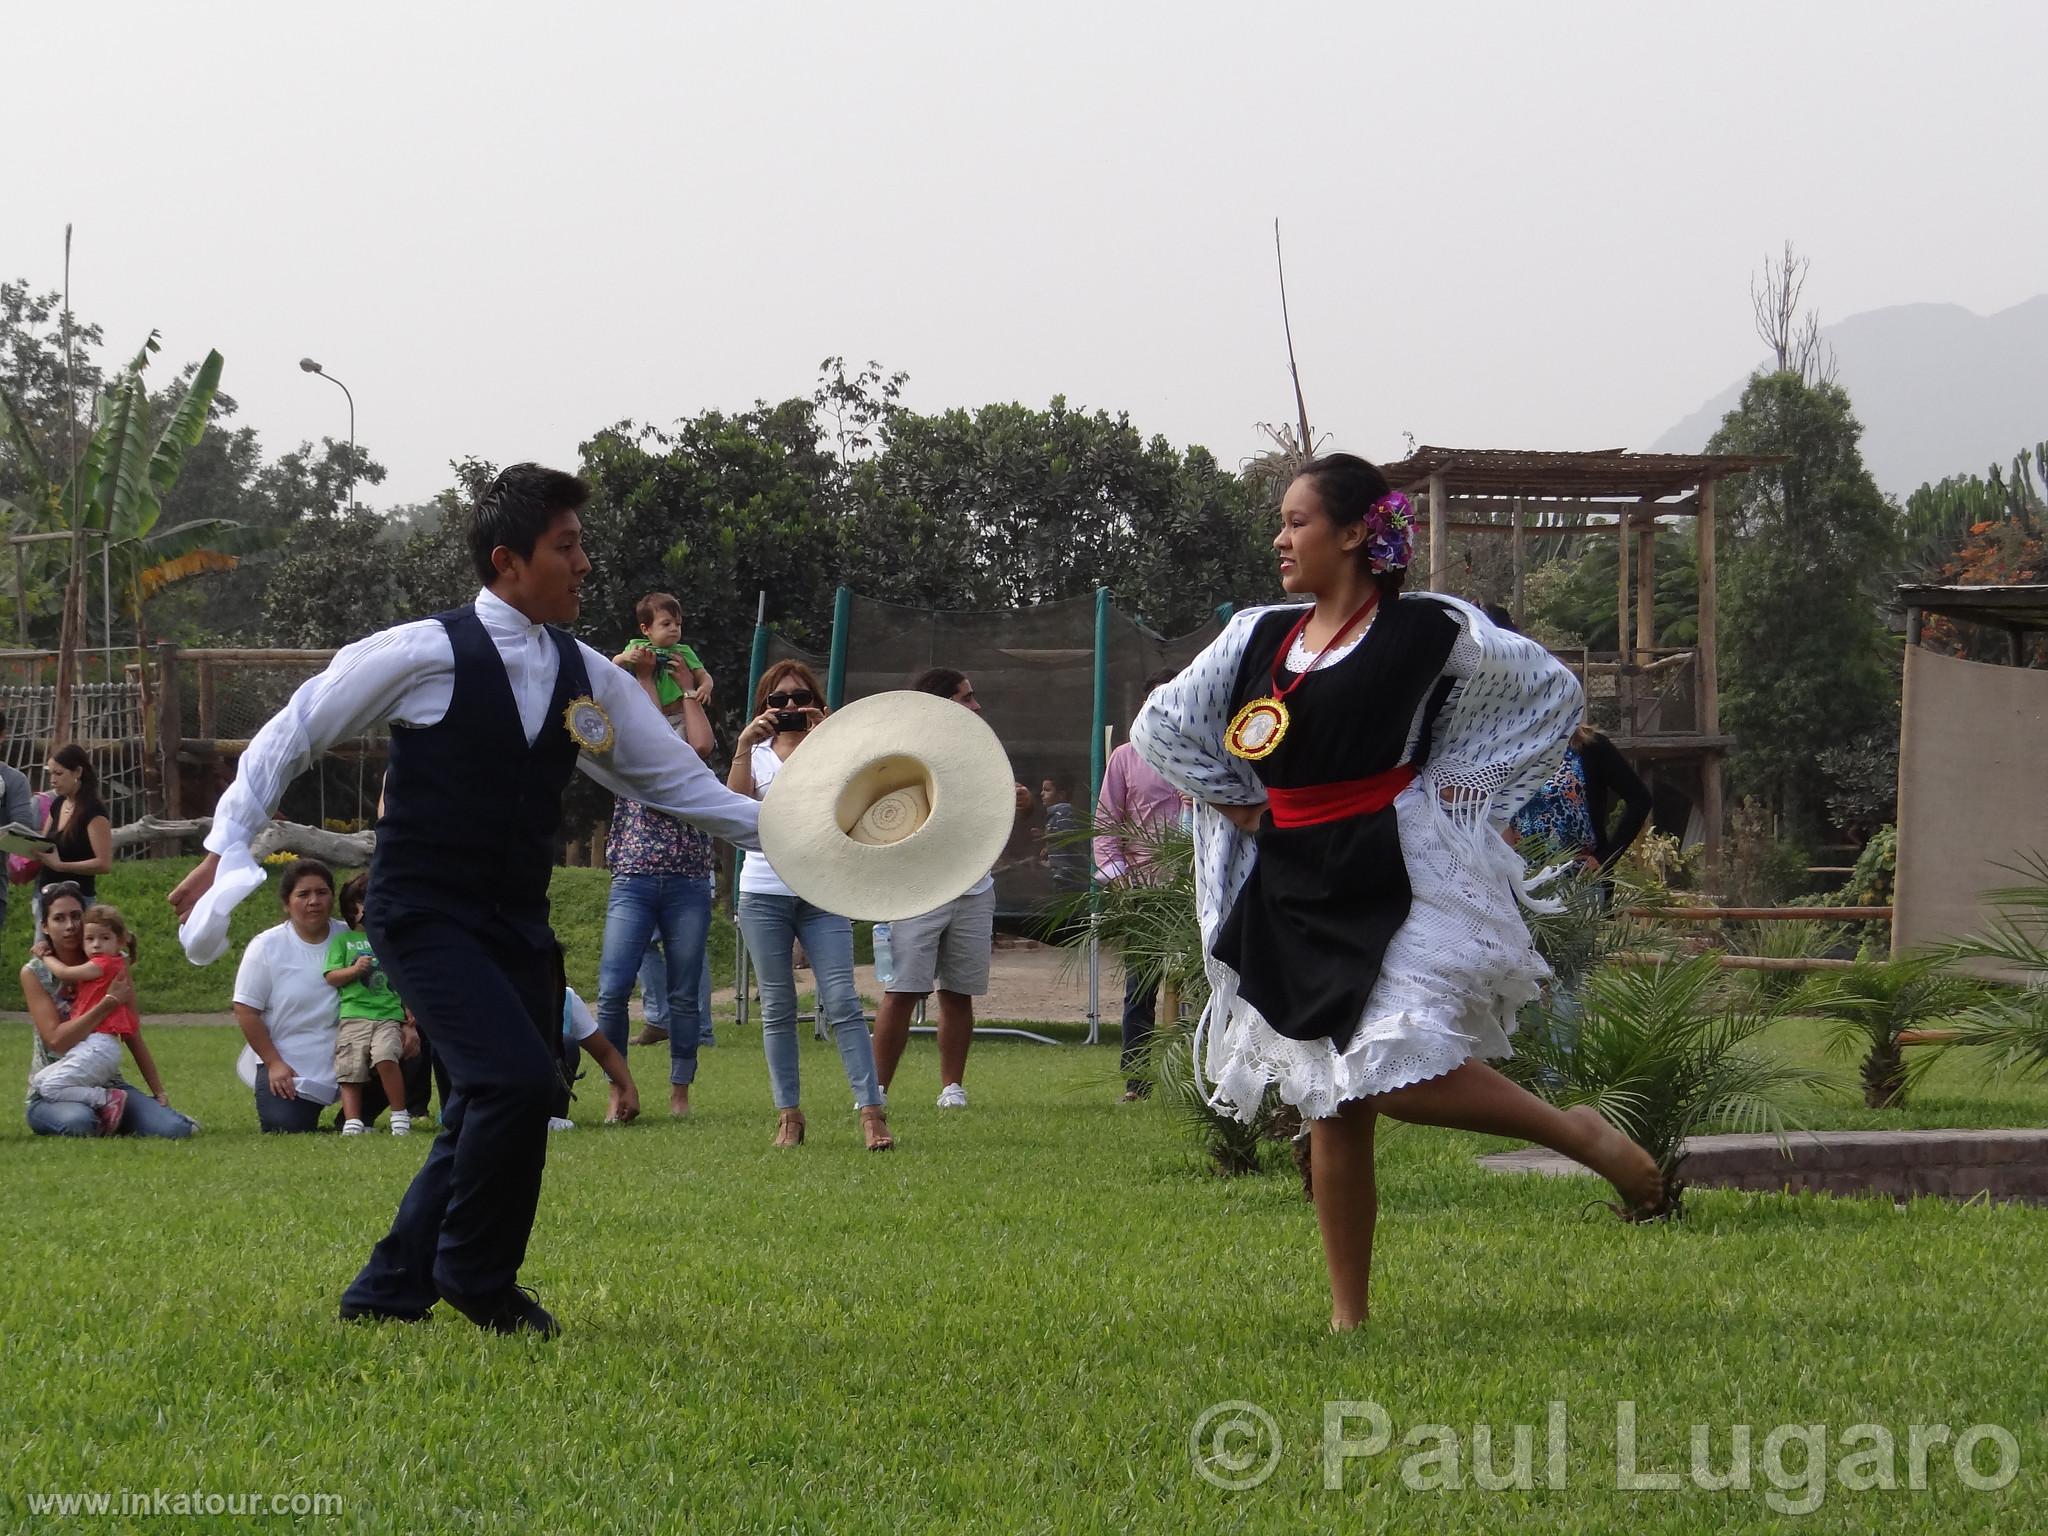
point(769, 925)
point(654, 987)
point(143, 1116)
point(678, 907)
point(284, 1117)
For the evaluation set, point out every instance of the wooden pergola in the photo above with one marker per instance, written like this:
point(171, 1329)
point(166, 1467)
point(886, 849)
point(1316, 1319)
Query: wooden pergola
point(1667, 698)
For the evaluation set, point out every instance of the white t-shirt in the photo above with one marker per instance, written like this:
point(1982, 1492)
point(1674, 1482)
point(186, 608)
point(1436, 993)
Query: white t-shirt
point(578, 1024)
point(285, 979)
point(757, 875)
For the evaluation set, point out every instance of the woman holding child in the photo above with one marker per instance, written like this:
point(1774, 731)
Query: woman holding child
point(61, 1025)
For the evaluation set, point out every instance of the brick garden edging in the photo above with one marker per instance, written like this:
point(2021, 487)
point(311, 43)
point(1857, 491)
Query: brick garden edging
point(1956, 1165)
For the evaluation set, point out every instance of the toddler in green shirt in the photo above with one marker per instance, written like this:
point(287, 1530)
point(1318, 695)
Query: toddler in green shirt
point(659, 657)
point(372, 1033)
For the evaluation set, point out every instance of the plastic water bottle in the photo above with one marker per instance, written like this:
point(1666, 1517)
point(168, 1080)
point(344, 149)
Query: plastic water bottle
point(885, 962)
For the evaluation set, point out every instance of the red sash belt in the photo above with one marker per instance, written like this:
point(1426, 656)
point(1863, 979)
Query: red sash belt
point(1319, 803)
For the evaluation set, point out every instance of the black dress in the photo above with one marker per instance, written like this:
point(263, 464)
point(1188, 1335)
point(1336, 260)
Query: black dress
point(74, 845)
point(1308, 930)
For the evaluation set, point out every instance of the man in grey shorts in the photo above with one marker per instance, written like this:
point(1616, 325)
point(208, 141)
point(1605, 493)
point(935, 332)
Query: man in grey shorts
point(947, 950)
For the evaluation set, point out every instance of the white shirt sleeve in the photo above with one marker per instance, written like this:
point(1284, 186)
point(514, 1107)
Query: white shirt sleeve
point(404, 674)
point(650, 763)
point(252, 980)
point(579, 1021)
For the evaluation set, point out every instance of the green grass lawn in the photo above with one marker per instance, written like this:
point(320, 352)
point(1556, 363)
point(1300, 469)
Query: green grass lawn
point(1012, 1323)
point(168, 985)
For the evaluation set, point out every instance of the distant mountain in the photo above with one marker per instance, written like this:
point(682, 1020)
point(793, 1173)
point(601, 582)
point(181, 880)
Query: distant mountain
point(1939, 391)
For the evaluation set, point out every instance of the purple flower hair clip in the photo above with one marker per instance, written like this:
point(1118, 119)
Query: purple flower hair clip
point(1390, 533)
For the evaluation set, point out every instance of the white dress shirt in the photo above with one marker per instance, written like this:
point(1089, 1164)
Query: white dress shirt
point(406, 676)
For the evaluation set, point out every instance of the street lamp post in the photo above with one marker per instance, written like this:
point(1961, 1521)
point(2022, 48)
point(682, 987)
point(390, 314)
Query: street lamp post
point(312, 367)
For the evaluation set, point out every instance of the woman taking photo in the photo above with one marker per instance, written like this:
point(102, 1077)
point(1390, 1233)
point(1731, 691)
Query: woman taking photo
point(287, 1011)
point(58, 1029)
point(787, 704)
point(1353, 762)
point(77, 824)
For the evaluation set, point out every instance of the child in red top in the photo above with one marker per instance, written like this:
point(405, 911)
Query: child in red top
point(89, 1072)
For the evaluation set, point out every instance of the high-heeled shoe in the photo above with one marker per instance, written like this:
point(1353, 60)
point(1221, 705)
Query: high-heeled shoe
point(789, 1128)
point(874, 1129)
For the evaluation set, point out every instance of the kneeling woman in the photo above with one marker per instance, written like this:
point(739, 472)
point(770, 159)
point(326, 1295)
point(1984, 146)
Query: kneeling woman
point(1354, 761)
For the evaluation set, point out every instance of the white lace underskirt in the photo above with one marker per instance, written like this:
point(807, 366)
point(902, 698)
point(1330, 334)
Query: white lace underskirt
point(1455, 975)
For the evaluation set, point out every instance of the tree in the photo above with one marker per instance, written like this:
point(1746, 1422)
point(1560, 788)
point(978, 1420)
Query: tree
point(1806, 660)
point(1794, 339)
point(1976, 531)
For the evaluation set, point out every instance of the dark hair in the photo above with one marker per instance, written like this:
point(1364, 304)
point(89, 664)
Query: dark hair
point(1159, 679)
point(1063, 782)
point(1502, 619)
point(515, 510)
point(653, 603)
point(302, 869)
point(788, 667)
point(61, 890)
point(354, 896)
point(72, 756)
point(1349, 487)
point(943, 681)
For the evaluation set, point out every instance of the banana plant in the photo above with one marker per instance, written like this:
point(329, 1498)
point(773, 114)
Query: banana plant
point(116, 491)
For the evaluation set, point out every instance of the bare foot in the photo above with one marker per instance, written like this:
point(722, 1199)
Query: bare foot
point(1345, 1324)
point(1632, 1171)
point(679, 1099)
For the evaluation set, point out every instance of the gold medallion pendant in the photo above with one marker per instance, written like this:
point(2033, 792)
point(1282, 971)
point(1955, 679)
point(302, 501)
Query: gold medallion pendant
point(588, 725)
point(1257, 730)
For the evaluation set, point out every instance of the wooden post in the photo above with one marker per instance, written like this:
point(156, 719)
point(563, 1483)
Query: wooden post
point(21, 594)
point(169, 729)
point(1646, 591)
point(1439, 534)
point(1624, 684)
point(1707, 685)
point(1707, 682)
point(206, 720)
point(1521, 561)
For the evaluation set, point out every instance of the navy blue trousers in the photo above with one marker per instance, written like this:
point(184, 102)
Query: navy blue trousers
point(491, 1002)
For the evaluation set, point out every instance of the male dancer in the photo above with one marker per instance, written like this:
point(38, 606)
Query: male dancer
point(491, 708)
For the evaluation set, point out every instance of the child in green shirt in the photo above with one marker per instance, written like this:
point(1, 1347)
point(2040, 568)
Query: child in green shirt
point(659, 657)
point(371, 1037)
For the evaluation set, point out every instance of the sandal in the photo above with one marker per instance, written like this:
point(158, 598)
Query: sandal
point(789, 1128)
point(874, 1129)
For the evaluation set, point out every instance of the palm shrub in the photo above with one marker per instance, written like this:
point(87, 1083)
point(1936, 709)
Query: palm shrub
point(1665, 1054)
point(1152, 924)
point(1870, 1007)
point(2010, 1024)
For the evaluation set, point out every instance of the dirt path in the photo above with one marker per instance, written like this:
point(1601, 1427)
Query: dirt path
point(1026, 981)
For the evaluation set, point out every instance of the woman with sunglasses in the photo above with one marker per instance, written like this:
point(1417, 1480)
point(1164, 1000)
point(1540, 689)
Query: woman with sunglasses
point(787, 704)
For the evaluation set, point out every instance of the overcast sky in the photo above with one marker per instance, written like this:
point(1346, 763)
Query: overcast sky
point(507, 225)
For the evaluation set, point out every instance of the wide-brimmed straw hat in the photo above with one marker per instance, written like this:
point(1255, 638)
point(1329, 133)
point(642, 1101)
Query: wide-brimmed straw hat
point(895, 805)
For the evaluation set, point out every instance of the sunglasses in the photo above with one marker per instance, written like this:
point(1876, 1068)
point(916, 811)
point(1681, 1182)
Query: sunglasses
point(795, 698)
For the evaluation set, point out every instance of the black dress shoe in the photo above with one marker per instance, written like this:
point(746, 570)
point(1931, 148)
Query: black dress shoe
point(513, 1310)
point(362, 1312)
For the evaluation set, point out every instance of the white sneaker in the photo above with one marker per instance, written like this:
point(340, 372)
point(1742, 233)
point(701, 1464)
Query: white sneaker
point(353, 1128)
point(952, 1096)
point(557, 1123)
point(401, 1123)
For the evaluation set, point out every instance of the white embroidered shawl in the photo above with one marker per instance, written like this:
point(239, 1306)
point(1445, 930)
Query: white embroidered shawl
point(1499, 737)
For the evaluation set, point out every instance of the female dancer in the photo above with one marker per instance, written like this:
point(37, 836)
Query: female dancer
point(1353, 762)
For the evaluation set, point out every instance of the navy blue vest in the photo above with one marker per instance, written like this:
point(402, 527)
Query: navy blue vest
point(470, 809)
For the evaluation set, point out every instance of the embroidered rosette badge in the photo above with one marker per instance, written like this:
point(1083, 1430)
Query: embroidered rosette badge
point(1257, 730)
point(588, 725)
